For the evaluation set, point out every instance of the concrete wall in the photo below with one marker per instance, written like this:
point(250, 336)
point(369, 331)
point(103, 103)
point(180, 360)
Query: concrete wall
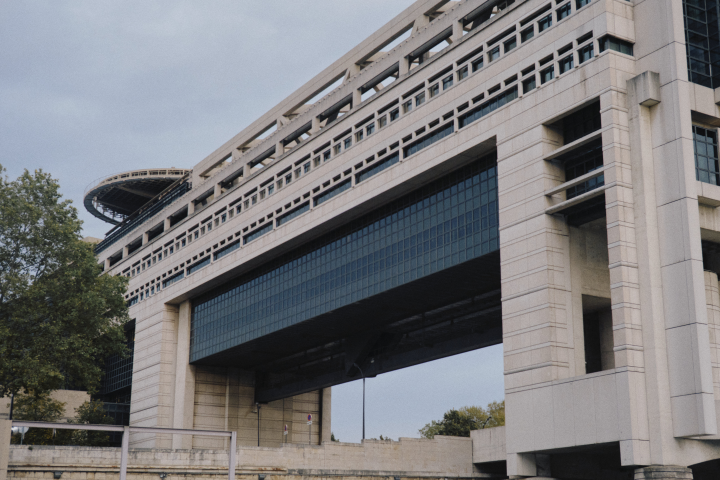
point(440, 457)
point(488, 445)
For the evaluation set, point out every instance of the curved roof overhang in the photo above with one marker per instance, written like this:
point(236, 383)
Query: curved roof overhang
point(117, 196)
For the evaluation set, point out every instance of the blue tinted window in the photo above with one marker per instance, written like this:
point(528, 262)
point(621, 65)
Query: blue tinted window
point(443, 224)
point(258, 233)
point(377, 167)
point(197, 266)
point(331, 192)
point(227, 249)
point(489, 106)
point(286, 217)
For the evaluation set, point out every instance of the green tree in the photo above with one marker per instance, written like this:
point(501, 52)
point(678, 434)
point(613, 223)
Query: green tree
point(40, 408)
point(59, 317)
point(91, 413)
point(460, 422)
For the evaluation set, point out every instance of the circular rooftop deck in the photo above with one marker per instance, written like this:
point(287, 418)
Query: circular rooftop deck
point(115, 197)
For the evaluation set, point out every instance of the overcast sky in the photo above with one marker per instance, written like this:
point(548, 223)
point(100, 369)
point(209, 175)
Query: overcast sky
point(90, 88)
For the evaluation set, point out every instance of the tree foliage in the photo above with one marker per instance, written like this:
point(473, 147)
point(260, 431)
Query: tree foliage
point(43, 408)
point(59, 318)
point(460, 422)
point(91, 413)
point(39, 408)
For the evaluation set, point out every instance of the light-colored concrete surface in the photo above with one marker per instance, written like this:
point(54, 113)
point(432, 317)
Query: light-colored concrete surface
point(442, 456)
point(488, 445)
point(5, 431)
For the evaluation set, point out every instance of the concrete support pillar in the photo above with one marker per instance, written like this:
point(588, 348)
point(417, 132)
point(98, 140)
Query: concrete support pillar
point(218, 190)
point(126, 251)
point(627, 329)
point(279, 149)
point(315, 125)
point(357, 98)
point(191, 207)
point(325, 411)
point(457, 31)
point(5, 432)
point(166, 225)
point(404, 66)
point(107, 264)
point(184, 407)
point(667, 171)
point(712, 296)
point(145, 238)
point(665, 472)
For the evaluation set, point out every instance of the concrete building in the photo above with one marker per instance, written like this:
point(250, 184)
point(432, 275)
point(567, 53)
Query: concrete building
point(541, 173)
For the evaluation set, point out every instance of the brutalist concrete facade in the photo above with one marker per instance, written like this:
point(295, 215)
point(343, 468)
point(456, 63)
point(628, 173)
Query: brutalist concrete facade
point(608, 238)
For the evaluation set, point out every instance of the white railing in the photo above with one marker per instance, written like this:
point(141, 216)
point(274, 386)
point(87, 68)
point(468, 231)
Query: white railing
point(126, 438)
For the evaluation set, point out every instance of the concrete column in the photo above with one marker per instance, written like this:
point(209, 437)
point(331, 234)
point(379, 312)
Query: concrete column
point(325, 415)
point(145, 238)
point(166, 225)
point(107, 264)
point(126, 251)
point(184, 407)
point(218, 190)
point(712, 295)
point(315, 126)
point(191, 207)
point(665, 472)
point(356, 99)
point(457, 31)
point(671, 169)
point(404, 66)
point(626, 333)
point(4, 447)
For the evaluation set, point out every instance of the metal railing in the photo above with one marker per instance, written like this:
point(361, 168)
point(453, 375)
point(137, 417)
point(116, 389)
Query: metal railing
point(126, 438)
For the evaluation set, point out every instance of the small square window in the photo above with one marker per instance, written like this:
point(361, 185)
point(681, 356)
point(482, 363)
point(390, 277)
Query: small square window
point(395, 114)
point(253, 199)
point(370, 129)
point(434, 89)
point(347, 143)
point(223, 217)
point(407, 106)
point(529, 84)
point(564, 11)
point(447, 82)
point(494, 54)
point(382, 121)
point(298, 172)
point(477, 64)
point(306, 167)
point(527, 34)
point(288, 178)
point(359, 135)
point(586, 53)
point(270, 189)
point(262, 194)
point(326, 155)
point(547, 74)
point(462, 73)
point(510, 44)
point(581, 3)
point(545, 23)
point(566, 64)
point(337, 149)
point(420, 99)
